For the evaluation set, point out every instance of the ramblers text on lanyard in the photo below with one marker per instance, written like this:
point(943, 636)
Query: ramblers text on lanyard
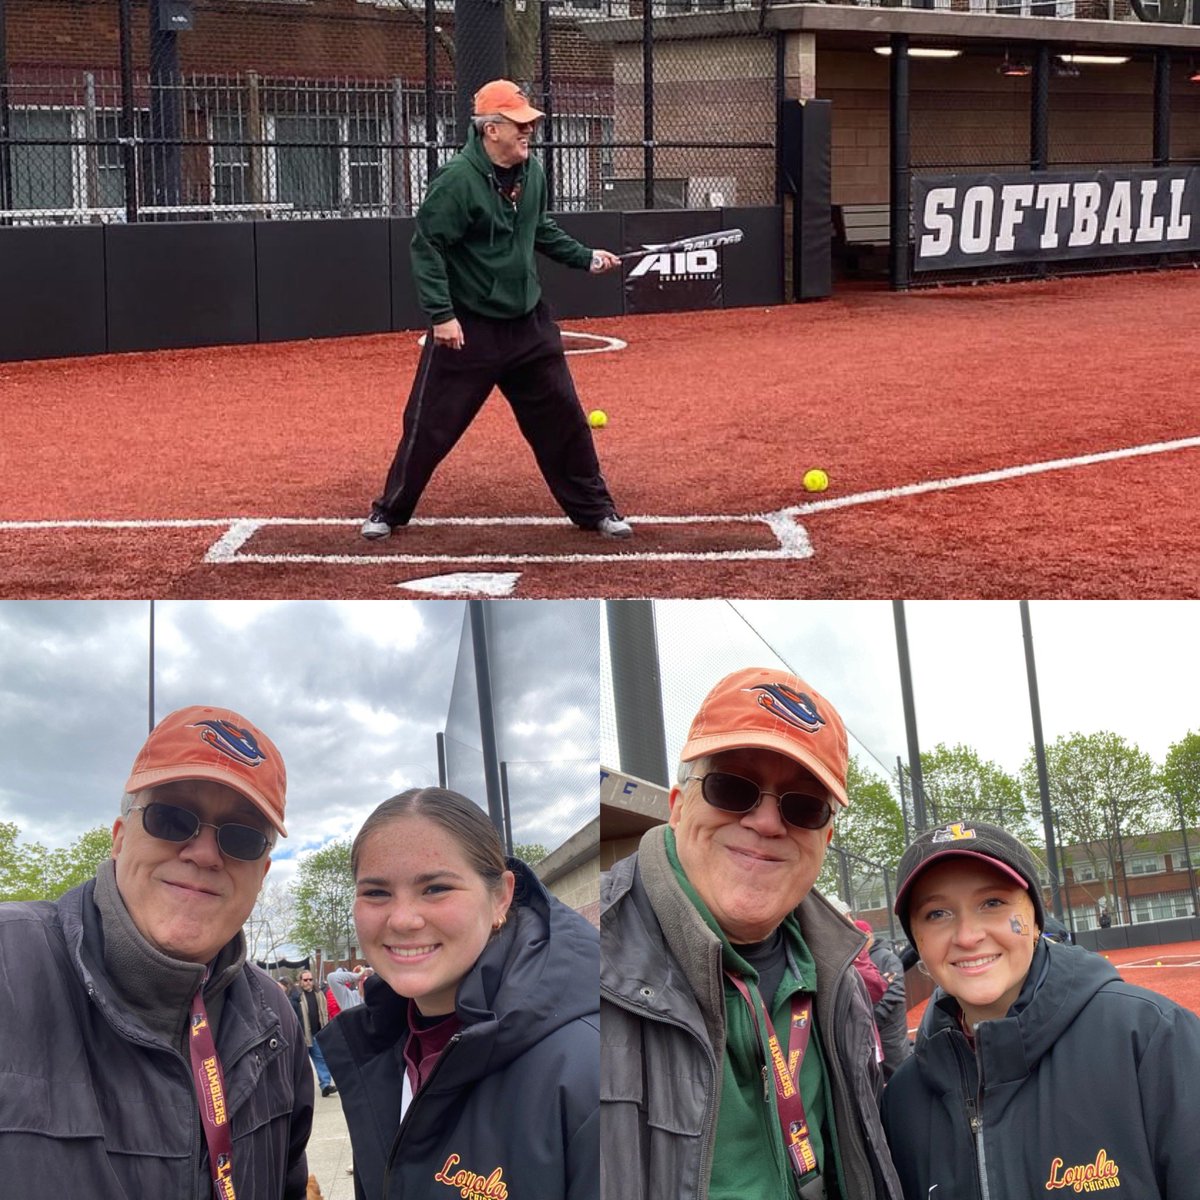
point(786, 1075)
point(210, 1090)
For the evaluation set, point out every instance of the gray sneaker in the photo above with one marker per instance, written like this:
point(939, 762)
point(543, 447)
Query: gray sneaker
point(614, 527)
point(376, 527)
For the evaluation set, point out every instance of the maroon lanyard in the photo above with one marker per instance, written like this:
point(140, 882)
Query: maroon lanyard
point(786, 1073)
point(210, 1088)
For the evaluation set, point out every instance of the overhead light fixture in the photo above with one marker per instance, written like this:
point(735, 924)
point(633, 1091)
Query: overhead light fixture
point(1014, 68)
point(1194, 77)
point(1095, 60)
point(922, 52)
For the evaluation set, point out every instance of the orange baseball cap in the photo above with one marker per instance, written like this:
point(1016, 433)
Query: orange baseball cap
point(216, 744)
point(502, 96)
point(764, 709)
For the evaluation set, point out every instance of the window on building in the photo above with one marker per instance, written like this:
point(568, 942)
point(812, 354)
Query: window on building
point(580, 165)
point(1144, 864)
point(44, 176)
point(365, 159)
point(1162, 907)
point(1086, 871)
point(110, 158)
point(305, 162)
point(231, 163)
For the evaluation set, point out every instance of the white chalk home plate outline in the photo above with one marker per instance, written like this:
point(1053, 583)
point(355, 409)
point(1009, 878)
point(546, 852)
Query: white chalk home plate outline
point(793, 537)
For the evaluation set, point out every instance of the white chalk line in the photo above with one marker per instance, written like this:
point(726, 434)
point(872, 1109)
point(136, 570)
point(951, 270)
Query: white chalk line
point(997, 476)
point(793, 538)
point(607, 345)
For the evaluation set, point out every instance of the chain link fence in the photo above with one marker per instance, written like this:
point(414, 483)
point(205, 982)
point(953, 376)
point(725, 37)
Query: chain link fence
point(112, 110)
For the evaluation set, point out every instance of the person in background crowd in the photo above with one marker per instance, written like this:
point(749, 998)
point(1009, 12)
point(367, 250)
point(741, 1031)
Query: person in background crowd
point(313, 1014)
point(891, 1009)
point(131, 1014)
point(345, 987)
point(1036, 1069)
point(474, 1063)
point(330, 999)
point(727, 980)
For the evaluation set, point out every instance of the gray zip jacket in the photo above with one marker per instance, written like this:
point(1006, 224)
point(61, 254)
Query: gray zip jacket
point(93, 1103)
point(662, 1035)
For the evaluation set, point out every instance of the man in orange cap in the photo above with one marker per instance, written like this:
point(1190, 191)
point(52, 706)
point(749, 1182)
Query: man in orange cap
point(727, 981)
point(482, 219)
point(153, 1059)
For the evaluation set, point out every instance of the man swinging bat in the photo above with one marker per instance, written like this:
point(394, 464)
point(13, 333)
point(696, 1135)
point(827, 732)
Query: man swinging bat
point(472, 254)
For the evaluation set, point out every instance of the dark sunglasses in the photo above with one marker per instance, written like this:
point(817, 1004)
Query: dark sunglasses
point(734, 794)
point(172, 824)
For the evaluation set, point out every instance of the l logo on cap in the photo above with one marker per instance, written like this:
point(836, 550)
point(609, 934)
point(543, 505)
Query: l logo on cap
point(238, 744)
point(796, 708)
point(953, 833)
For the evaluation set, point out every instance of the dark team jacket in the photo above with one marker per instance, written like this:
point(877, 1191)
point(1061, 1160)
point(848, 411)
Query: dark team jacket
point(1089, 1085)
point(512, 1106)
point(92, 1104)
point(473, 248)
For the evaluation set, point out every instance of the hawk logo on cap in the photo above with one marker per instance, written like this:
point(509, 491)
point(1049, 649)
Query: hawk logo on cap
point(953, 833)
point(796, 708)
point(238, 744)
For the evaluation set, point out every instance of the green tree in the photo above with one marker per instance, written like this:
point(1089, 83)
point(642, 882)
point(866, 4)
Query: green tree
point(530, 853)
point(959, 784)
point(1102, 790)
point(270, 923)
point(28, 871)
point(869, 832)
point(1181, 775)
point(324, 898)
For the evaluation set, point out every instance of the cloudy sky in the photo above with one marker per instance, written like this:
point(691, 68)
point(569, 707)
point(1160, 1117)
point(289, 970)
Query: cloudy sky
point(1128, 667)
point(352, 693)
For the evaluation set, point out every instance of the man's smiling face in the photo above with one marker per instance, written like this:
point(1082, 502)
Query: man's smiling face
point(187, 899)
point(750, 869)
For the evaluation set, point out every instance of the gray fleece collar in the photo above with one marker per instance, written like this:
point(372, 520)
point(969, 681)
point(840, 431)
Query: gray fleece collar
point(152, 986)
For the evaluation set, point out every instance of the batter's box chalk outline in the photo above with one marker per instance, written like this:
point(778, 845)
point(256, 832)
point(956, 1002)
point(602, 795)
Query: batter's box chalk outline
point(792, 539)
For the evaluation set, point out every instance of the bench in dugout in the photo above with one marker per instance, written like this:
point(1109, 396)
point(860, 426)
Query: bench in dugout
point(862, 235)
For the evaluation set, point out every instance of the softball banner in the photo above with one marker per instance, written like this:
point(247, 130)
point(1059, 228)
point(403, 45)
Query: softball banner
point(982, 220)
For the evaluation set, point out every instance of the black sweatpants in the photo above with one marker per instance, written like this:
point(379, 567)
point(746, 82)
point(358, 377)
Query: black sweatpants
point(523, 357)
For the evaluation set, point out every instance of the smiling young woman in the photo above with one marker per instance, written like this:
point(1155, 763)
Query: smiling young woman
point(1036, 1067)
point(485, 997)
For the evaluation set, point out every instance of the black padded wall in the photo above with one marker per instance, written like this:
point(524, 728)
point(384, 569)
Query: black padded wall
point(323, 278)
point(574, 293)
point(753, 269)
point(806, 174)
point(177, 285)
point(52, 292)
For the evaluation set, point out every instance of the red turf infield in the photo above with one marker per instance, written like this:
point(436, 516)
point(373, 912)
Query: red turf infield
point(1178, 976)
point(714, 418)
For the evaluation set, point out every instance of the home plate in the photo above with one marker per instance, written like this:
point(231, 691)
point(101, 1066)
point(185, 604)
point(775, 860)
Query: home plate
point(465, 583)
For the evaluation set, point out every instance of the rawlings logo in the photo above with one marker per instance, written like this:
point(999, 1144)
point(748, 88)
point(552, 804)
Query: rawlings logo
point(796, 708)
point(471, 1186)
point(1096, 1176)
point(953, 833)
point(238, 744)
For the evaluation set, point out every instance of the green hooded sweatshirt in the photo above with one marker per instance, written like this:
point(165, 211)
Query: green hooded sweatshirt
point(473, 248)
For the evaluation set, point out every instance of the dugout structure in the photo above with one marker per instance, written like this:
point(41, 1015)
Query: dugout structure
point(181, 174)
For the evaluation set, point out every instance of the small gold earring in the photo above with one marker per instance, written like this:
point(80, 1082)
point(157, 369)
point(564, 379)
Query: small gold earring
point(923, 969)
point(500, 923)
